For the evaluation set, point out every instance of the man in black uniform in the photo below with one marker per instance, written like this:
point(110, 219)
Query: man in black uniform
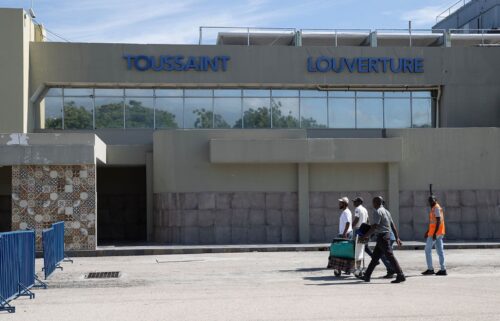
point(381, 227)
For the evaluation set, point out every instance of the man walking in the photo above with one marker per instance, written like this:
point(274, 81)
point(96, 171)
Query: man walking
point(360, 217)
point(382, 226)
point(345, 226)
point(434, 235)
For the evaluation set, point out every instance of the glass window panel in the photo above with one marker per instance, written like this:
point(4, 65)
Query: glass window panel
point(342, 113)
point(53, 112)
point(313, 113)
point(227, 92)
point(139, 92)
point(109, 92)
point(108, 112)
point(78, 91)
point(198, 113)
point(227, 112)
point(256, 113)
point(54, 92)
point(139, 113)
point(78, 113)
point(369, 113)
point(285, 112)
point(256, 93)
point(284, 93)
point(421, 94)
point(198, 92)
point(313, 93)
point(397, 94)
point(169, 92)
point(369, 94)
point(344, 94)
point(422, 112)
point(169, 112)
point(397, 113)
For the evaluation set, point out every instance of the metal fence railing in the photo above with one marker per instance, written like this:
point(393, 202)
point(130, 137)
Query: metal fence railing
point(451, 9)
point(17, 267)
point(53, 248)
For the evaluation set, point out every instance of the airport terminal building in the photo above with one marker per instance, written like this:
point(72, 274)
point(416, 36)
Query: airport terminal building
point(248, 140)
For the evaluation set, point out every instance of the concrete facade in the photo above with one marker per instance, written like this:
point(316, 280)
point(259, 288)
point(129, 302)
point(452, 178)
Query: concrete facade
point(236, 186)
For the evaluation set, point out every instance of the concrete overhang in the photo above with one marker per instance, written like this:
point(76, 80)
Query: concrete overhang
point(317, 150)
point(51, 148)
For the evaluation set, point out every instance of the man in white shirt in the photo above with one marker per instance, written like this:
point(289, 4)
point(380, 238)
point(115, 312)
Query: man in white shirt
point(360, 213)
point(345, 222)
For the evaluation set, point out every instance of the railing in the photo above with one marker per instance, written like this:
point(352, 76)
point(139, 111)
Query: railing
point(335, 33)
point(205, 33)
point(451, 9)
point(53, 248)
point(17, 267)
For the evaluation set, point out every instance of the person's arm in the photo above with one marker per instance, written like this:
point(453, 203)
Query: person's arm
point(346, 228)
point(355, 222)
point(396, 234)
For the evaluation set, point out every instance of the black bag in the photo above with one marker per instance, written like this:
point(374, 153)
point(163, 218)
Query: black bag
point(363, 229)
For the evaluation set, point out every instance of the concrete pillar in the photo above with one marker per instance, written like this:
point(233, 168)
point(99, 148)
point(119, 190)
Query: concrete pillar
point(393, 191)
point(149, 197)
point(303, 196)
point(372, 38)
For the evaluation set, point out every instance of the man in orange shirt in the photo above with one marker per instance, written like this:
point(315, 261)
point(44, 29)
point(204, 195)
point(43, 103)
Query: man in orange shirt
point(434, 235)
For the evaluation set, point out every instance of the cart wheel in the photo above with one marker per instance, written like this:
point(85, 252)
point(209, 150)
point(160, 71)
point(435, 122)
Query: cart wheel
point(337, 272)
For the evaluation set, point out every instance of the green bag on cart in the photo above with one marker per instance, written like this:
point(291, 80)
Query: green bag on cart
point(342, 248)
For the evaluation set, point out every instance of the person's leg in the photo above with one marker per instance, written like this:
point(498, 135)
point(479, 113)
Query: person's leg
point(368, 251)
point(440, 252)
point(428, 253)
point(377, 252)
point(389, 254)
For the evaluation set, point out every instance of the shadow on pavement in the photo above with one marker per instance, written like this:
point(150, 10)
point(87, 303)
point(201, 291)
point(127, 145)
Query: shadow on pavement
point(305, 270)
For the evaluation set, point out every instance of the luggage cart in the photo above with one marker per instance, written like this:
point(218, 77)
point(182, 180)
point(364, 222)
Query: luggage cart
point(346, 256)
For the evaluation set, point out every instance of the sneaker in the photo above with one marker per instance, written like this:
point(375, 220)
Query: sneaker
point(428, 272)
point(399, 279)
point(389, 275)
point(442, 272)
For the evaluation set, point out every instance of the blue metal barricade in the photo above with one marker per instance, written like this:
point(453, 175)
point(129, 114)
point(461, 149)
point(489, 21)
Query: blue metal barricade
point(53, 248)
point(17, 266)
point(49, 251)
point(59, 241)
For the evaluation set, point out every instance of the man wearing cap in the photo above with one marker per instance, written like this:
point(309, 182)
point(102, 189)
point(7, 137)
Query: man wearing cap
point(381, 227)
point(345, 221)
point(434, 235)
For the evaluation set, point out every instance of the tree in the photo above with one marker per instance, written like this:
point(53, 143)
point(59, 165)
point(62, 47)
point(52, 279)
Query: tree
point(138, 116)
point(256, 118)
point(77, 117)
point(207, 119)
point(109, 116)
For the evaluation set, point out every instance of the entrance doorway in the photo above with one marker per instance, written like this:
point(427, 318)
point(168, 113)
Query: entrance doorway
point(121, 205)
point(5, 198)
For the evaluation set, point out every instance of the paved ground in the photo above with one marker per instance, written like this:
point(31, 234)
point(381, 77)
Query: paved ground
point(264, 286)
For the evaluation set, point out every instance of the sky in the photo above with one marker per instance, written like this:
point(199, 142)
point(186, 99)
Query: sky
point(178, 22)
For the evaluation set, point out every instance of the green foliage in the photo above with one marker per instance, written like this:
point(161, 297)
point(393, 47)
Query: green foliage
point(206, 118)
point(77, 117)
point(256, 118)
point(109, 116)
point(138, 116)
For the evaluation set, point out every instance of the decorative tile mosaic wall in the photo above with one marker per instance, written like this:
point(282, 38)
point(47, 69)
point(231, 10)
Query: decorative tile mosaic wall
point(42, 195)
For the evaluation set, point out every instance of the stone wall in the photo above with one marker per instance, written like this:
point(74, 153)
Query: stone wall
point(226, 218)
point(469, 214)
point(324, 212)
point(42, 195)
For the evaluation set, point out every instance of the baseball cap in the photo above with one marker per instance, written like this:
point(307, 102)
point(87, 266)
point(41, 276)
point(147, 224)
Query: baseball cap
point(344, 199)
point(358, 199)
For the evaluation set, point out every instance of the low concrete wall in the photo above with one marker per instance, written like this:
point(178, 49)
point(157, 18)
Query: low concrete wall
point(226, 218)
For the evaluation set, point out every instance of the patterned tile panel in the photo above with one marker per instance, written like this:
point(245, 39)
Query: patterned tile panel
point(42, 195)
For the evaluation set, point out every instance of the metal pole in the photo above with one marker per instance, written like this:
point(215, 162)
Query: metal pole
point(409, 30)
point(248, 36)
point(200, 37)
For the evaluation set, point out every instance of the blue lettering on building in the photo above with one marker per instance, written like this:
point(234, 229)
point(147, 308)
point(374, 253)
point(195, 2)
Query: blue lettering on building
point(176, 63)
point(365, 65)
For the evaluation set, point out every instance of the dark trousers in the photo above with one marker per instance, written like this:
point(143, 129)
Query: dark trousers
point(383, 247)
point(384, 260)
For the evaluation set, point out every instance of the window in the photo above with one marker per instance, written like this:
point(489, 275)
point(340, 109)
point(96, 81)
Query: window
point(313, 113)
point(256, 113)
point(78, 113)
point(169, 113)
point(53, 112)
point(139, 113)
point(149, 108)
point(198, 113)
point(109, 112)
point(342, 112)
point(397, 110)
point(227, 113)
